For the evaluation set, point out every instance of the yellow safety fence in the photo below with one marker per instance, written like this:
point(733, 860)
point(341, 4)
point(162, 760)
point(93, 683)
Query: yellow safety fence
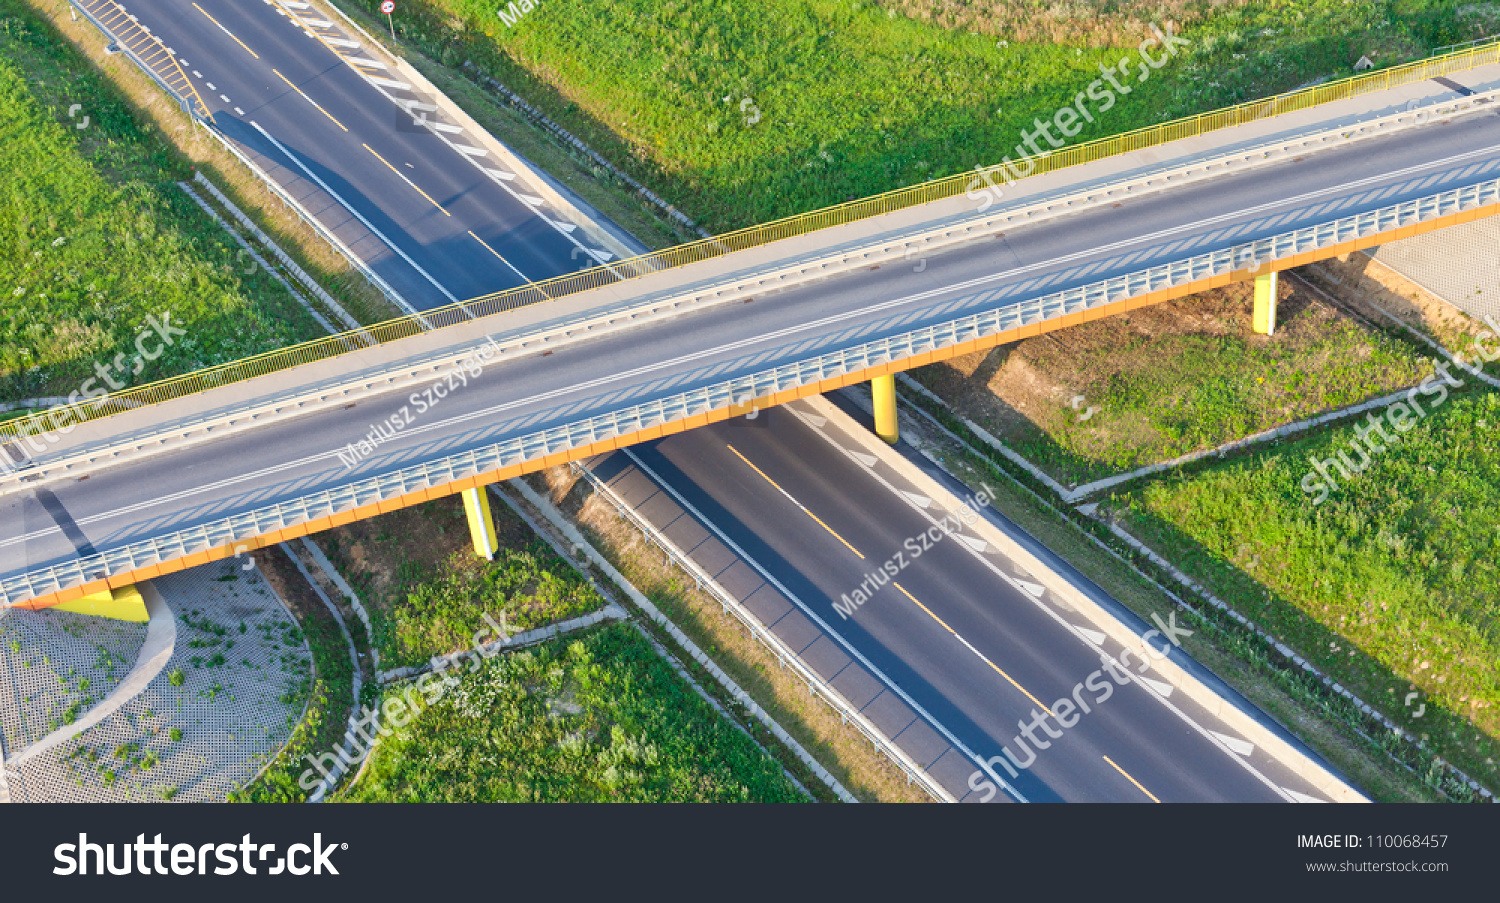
point(719, 245)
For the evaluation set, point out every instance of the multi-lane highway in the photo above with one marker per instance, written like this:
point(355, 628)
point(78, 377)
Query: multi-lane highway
point(438, 227)
point(970, 644)
point(427, 218)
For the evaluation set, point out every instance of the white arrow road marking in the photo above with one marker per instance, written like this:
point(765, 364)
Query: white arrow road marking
point(471, 151)
point(1036, 589)
point(1094, 636)
point(601, 256)
point(445, 127)
point(1302, 797)
point(1240, 747)
point(389, 83)
point(972, 542)
point(500, 174)
point(813, 419)
point(531, 199)
point(921, 501)
point(1163, 689)
point(866, 460)
point(566, 227)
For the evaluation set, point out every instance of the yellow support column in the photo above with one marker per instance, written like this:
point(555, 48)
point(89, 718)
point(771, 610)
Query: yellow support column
point(1265, 303)
point(481, 523)
point(122, 604)
point(884, 388)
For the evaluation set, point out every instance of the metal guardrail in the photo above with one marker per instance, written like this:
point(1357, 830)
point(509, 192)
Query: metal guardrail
point(360, 336)
point(787, 657)
point(1462, 45)
point(146, 49)
point(567, 284)
point(742, 390)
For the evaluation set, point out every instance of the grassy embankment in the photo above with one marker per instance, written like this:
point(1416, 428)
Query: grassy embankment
point(742, 111)
point(95, 237)
point(598, 717)
point(427, 592)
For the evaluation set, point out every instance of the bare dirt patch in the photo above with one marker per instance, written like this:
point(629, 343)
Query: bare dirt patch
point(1173, 378)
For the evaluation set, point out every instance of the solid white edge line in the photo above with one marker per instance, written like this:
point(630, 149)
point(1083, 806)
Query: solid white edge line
point(889, 684)
point(357, 214)
point(1205, 732)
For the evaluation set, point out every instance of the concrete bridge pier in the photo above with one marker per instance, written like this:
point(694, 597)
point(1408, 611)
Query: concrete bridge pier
point(1264, 321)
point(481, 522)
point(123, 603)
point(884, 389)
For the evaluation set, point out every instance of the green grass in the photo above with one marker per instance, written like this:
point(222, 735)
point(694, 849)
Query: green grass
point(598, 718)
point(427, 592)
point(1392, 585)
point(95, 237)
point(441, 614)
point(853, 99)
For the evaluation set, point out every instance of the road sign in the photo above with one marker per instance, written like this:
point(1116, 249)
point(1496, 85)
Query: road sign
point(388, 7)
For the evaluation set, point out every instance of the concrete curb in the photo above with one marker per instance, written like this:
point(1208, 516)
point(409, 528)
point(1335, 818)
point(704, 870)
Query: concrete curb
point(156, 651)
point(514, 161)
point(328, 783)
point(1251, 726)
point(255, 256)
point(661, 650)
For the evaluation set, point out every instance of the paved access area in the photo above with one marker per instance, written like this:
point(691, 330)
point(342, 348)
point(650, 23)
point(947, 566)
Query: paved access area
point(224, 703)
point(1457, 265)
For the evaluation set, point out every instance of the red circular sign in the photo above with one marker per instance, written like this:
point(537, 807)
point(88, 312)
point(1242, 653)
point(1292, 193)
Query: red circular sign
point(388, 7)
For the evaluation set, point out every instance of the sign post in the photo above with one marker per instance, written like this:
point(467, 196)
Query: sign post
point(388, 7)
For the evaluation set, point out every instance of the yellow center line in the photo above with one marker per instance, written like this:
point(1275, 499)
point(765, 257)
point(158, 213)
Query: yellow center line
point(414, 185)
point(981, 655)
point(309, 99)
point(227, 31)
point(1132, 780)
point(488, 248)
point(795, 502)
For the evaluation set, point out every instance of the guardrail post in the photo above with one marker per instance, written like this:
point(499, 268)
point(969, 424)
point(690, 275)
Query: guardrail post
point(481, 523)
point(1264, 321)
point(884, 389)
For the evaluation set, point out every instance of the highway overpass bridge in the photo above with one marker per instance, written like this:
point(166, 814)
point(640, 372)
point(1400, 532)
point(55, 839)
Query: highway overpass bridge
point(559, 371)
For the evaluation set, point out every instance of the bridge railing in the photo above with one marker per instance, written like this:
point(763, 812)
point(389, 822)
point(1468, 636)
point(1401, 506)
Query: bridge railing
point(998, 317)
point(596, 276)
